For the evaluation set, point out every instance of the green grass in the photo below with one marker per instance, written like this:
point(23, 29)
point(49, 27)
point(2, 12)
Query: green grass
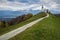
point(47, 29)
point(7, 29)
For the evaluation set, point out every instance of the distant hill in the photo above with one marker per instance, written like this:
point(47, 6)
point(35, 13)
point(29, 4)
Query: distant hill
point(57, 15)
point(9, 14)
point(5, 19)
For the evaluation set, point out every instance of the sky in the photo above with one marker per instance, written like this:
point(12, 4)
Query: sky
point(16, 5)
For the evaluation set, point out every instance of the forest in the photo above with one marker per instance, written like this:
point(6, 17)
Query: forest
point(15, 20)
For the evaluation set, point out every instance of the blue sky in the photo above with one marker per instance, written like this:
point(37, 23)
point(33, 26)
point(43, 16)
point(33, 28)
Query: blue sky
point(15, 5)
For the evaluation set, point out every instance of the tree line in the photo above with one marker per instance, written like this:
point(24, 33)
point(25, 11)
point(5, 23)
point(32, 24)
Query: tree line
point(16, 20)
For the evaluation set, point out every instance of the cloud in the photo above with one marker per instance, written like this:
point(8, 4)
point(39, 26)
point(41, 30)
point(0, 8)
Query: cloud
point(6, 5)
point(15, 5)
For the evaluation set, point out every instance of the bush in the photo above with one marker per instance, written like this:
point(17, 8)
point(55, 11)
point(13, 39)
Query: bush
point(2, 24)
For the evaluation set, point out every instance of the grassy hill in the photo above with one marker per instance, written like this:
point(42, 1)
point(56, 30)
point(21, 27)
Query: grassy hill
point(10, 28)
point(47, 29)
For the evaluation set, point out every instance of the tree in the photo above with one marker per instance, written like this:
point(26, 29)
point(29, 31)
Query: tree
point(27, 16)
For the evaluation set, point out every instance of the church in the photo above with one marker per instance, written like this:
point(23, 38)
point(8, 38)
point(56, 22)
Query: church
point(44, 9)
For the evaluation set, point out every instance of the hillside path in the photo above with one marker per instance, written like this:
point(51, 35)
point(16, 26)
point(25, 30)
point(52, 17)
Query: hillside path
point(19, 30)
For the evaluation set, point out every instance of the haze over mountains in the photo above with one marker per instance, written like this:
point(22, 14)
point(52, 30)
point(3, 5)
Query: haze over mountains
point(13, 14)
point(7, 15)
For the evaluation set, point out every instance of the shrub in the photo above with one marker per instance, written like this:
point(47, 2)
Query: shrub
point(2, 24)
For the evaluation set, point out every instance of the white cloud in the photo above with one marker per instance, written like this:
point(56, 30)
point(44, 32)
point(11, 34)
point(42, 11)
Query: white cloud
point(12, 6)
point(15, 5)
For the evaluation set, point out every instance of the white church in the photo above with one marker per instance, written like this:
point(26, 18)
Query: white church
point(44, 9)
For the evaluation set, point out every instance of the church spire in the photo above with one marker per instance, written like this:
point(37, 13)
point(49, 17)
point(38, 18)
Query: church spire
point(42, 8)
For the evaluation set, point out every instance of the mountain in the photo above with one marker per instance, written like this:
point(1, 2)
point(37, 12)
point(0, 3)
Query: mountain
point(9, 14)
point(55, 12)
point(12, 14)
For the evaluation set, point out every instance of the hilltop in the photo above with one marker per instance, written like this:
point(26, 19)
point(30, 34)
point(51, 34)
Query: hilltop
point(47, 29)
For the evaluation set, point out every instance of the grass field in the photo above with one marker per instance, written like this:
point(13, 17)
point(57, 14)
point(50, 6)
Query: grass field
point(10, 28)
point(47, 29)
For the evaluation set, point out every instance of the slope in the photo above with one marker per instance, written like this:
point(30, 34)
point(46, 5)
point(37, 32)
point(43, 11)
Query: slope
point(10, 28)
point(47, 29)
